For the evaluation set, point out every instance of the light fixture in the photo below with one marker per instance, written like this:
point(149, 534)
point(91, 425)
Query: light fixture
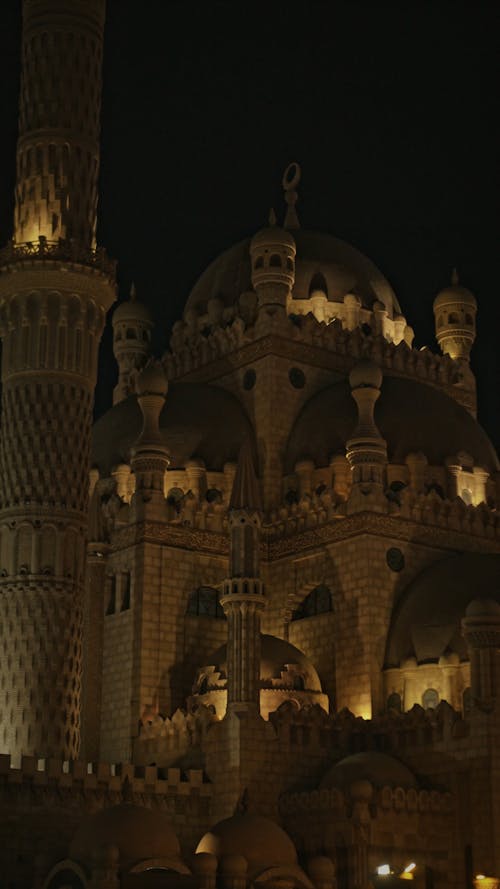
point(407, 874)
point(383, 870)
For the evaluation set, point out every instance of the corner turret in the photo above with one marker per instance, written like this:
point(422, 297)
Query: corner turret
point(132, 327)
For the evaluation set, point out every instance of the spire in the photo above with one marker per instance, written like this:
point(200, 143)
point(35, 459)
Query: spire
point(291, 179)
point(272, 217)
point(133, 293)
point(246, 489)
point(455, 280)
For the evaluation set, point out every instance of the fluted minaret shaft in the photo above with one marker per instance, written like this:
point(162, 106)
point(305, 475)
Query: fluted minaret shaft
point(59, 117)
point(53, 302)
point(243, 593)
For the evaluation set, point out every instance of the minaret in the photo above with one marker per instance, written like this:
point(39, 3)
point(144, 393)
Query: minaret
point(150, 455)
point(243, 594)
point(455, 310)
point(55, 290)
point(132, 326)
point(366, 450)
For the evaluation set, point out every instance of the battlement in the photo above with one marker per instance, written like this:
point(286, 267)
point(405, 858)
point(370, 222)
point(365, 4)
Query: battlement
point(337, 349)
point(107, 777)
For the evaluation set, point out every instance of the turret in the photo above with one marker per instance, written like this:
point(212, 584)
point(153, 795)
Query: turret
point(455, 310)
point(132, 326)
point(150, 456)
point(366, 450)
point(243, 593)
point(481, 629)
point(55, 290)
point(272, 252)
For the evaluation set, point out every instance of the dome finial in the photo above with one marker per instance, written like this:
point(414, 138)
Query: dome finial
point(291, 179)
point(133, 292)
point(272, 217)
point(455, 280)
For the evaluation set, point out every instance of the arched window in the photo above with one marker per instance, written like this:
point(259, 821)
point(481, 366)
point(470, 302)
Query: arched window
point(318, 282)
point(466, 495)
point(394, 702)
point(126, 587)
point(468, 320)
point(111, 606)
point(259, 262)
point(204, 602)
point(453, 318)
point(275, 261)
point(130, 334)
point(319, 601)
point(467, 700)
point(430, 699)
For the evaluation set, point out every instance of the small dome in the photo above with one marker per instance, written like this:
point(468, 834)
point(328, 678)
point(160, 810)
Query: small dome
point(379, 769)
point(285, 675)
point(151, 380)
point(365, 373)
point(272, 236)
point(483, 608)
point(455, 293)
point(276, 655)
point(259, 840)
point(132, 310)
point(139, 833)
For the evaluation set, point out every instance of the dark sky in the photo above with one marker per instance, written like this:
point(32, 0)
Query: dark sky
point(391, 109)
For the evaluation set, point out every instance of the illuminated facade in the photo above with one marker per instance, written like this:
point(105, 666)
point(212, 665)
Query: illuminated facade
point(250, 621)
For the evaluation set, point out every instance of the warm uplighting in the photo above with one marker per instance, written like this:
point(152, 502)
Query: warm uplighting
point(383, 870)
point(408, 872)
point(481, 880)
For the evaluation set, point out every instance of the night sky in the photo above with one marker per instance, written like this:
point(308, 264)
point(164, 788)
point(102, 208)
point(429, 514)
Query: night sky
point(390, 108)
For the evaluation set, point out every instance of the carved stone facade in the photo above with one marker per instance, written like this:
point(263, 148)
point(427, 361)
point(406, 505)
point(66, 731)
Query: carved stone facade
point(249, 620)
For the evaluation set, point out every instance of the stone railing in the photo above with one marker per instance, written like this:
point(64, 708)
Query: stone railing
point(386, 798)
point(60, 251)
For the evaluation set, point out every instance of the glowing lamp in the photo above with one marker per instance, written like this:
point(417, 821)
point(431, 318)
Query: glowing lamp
point(383, 870)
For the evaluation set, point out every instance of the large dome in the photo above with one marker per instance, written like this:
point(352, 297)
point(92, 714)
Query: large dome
point(343, 268)
point(411, 416)
point(140, 834)
point(197, 421)
point(426, 622)
point(259, 840)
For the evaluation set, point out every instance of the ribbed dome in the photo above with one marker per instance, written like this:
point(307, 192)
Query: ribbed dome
point(197, 421)
point(139, 834)
point(343, 268)
point(262, 842)
point(410, 415)
point(455, 293)
point(378, 768)
point(426, 622)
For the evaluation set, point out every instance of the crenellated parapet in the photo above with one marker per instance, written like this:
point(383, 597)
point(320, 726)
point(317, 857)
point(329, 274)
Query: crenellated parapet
point(107, 778)
point(204, 353)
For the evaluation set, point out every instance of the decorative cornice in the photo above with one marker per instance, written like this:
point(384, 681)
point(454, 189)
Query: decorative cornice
point(295, 543)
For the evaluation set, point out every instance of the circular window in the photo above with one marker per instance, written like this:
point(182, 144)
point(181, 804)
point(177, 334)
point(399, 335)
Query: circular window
point(249, 379)
point(395, 559)
point(297, 377)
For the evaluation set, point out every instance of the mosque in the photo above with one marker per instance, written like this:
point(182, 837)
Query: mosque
point(250, 619)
